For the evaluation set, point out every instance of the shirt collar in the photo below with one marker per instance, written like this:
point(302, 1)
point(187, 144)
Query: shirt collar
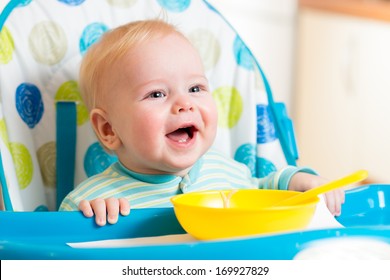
point(160, 178)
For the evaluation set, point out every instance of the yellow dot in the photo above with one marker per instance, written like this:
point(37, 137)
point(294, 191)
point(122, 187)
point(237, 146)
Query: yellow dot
point(23, 164)
point(3, 133)
point(229, 104)
point(6, 46)
point(69, 91)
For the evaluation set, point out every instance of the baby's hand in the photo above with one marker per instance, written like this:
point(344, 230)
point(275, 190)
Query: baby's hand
point(304, 181)
point(105, 209)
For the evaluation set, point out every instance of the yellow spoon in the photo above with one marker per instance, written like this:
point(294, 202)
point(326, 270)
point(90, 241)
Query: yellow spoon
point(347, 180)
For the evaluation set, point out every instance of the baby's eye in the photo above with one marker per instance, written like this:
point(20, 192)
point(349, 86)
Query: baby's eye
point(195, 89)
point(156, 94)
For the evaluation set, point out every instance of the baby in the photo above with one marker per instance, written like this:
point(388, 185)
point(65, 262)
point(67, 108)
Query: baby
point(150, 104)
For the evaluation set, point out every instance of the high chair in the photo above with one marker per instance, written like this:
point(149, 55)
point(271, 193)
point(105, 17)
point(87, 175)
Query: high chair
point(48, 147)
point(47, 139)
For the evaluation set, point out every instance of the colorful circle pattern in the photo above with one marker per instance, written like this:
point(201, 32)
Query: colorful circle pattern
point(7, 46)
point(23, 164)
point(72, 2)
point(47, 163)
point(122, 3)
point(96, 160)
point(246, 154)
point(207, 45)
point(3, 132)
point(69, 91)
point(48, 42)
point(264, 167)
point(176, 6)
point(266, 131)
point(242, 54)
point(91, 34)
point(29, 104)
point(229, 105)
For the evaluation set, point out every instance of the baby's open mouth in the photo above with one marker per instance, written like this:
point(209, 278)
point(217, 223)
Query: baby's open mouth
point(182, 135)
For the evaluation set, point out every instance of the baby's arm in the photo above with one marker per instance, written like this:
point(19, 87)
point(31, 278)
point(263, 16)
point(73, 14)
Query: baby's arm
point(105, 210)
point(302, 181)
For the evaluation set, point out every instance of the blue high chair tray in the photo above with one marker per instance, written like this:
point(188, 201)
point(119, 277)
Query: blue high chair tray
point(367, 205)
point(33, 235)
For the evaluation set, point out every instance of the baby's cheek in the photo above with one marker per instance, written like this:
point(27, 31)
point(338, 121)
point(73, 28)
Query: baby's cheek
point(212, 114)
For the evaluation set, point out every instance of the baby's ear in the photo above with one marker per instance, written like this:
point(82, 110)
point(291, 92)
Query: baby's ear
point(104, 130)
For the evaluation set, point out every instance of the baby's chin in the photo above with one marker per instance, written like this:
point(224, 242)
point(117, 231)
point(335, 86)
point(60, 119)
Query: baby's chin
point(179, 169)
point(180, 165)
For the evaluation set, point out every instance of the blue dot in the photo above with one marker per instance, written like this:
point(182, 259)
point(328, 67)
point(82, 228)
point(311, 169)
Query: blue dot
point(242, 54)
point(175, 6)
point(91, 34)
point(72, 2)
point(29, 104)
point(266, 131)
point(264, 167)
point(246, 154)
point(41, 208)
point(96, 160)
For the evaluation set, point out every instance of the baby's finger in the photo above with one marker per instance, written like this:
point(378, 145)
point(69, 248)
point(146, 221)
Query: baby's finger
point(112, 205)
point(85, 208)
point(331, 202)
point(124, 206)
point(334, 200)
point(342, 195)
point(99, 208)
point(340, 199)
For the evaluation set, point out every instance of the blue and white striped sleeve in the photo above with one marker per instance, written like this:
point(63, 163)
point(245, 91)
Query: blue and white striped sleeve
point(68, 204)
point(280, 179)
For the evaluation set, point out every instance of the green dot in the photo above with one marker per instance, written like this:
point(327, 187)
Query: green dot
point(23, 164)
point(229, 104)
point(6, 46)
point(47, 163)
point(207, 45)
point(3, 133)
point(70, 91)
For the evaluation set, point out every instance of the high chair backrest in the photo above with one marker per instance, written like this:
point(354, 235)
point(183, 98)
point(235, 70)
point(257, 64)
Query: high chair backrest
point(41, 45)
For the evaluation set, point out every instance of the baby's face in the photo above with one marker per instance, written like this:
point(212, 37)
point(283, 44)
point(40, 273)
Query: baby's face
point(161, 108)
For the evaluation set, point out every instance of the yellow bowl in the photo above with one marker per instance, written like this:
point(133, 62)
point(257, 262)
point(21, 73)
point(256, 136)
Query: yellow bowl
point(212, 215)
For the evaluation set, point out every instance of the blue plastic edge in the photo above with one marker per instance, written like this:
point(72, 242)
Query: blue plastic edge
point(7, 11)
point(4, 188)
point(48, 233)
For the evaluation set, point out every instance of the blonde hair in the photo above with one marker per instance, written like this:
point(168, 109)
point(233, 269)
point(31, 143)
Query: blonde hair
point(112, 46)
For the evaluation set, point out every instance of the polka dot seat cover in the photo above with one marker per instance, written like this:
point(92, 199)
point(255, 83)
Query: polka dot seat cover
point(41, 45)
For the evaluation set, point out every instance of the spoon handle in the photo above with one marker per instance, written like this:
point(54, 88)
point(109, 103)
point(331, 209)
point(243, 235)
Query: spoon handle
point(347, 180)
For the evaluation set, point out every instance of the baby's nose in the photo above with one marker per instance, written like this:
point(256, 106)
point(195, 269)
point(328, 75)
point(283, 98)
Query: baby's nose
point(183, 104)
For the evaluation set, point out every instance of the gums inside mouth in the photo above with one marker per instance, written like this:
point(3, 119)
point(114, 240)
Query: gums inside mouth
point(183, 134)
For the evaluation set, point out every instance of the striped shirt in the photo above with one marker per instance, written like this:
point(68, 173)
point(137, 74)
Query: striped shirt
point(213, 171)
